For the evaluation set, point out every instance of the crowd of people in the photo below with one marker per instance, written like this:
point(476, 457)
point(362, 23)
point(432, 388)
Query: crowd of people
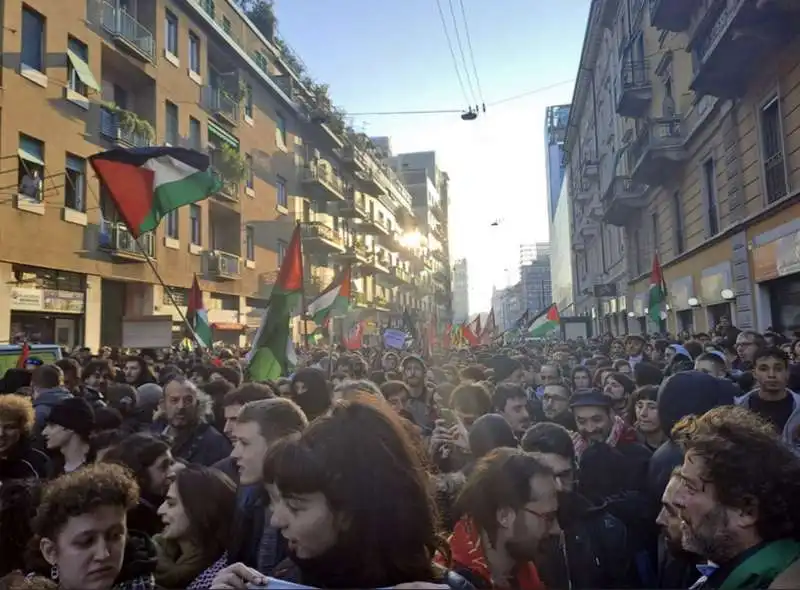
point(612, 462)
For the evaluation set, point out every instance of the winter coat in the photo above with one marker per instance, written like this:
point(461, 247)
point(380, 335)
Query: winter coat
point(791, 432)
point(254, 542)
point(24, 461)
point(205, 445)
point(44, 402)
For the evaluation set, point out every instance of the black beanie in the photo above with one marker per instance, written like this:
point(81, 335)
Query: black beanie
point(75, 414)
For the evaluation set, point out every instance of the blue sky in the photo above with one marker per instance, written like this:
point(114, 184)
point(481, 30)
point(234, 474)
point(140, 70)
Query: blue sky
point(392, 55)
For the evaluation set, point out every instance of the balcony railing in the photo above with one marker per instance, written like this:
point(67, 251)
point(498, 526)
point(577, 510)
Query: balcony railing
point(220, 103)
point(659, 145)
point(111, 128)
point(636, 90)
point(319, 232)
point(228, 191)
point(127, 30)
point(622, 197)
point(354, 157)
point(320, 176)
point(225, 265)
point(672, 15)
point(117, 239)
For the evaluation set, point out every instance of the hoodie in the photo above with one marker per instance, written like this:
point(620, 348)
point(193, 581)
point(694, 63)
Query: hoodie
point(43, 404)
point(791, 432)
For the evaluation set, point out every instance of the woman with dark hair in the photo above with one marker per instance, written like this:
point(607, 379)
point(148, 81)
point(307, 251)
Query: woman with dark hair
point(352, 500)
point(311, 392)
point(581, 378)
point(149, 460)
point(197, 515)
point(642, 414)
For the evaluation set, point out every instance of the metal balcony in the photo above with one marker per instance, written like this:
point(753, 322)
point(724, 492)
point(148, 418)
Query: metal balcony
point(577, 241)
point(440, 255)
point(672, 15)
point(355, 254)
point(354, 158)
point(635, 89)
point(381, 304)
point(658, 152)
point(318, 237)
point(220, 104)
point(372, 224)
point(111, 129)
point(116, 239)
point(128, 33)
point(590, 169)
point(369, 182)
point(224, 265)
point(354, 206)
point(438, 212)
point(322, 183)
point(229, 191)
point(621, 201)
point(582, 190)
point(731, 40)
point(376, 263)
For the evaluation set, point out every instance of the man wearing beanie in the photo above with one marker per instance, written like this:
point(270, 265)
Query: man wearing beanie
point(68, 428)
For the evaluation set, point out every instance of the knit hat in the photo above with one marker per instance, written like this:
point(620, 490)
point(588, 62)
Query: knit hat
point(149, 394)
point(75, 414)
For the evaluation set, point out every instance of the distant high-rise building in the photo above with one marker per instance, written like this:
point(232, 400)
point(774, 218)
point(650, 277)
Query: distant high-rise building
point(460, 291)
point(555, 131)
point(508, 305)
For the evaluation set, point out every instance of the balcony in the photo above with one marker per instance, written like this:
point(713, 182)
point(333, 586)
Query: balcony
point(672, 15)
point(441, 277)
point(381, 304)
point(635, 89)
point(113, 129)
point(609, 15)
point(376, 263)
point(318, 237)
point(438, 212)
point(369, 182)
point(224, 265)
point(590, 169)
point(357, 253)
point(220, 104)
point(577, 242)
point(440, 255)
point(128, 33)
point(354, 158)
point(658, 153)
point(116, 239)
point(621, 201)
point(730, 42)
point(229, 191)
point(582, 191)
point(373, 224)
point(323, 183)
point(354, 206)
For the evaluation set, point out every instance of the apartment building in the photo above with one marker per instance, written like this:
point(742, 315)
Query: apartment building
point(82, 77)
point(698, 164)
point(460, 291)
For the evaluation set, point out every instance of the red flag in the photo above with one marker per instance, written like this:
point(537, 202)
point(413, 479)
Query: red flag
point(23, 355)
point(195, 302)
point(470, 331)
point(487, 336)
point(353, 340)
point(447, 337)
point(290, 277)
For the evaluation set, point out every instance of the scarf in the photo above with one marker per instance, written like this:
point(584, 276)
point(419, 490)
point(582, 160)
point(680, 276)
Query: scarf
point(760, 569)
point(467, 553)
point(618, 429)
point(178, 563)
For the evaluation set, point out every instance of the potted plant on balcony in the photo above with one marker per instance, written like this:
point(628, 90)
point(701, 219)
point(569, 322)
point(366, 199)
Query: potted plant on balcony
point(230, 165)
point(130, 122)
point(262, 15)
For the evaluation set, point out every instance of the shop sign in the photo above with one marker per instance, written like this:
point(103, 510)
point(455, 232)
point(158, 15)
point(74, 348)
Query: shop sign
point(680, 291)
point(713, 281)
point(778, 258)
point(27, 299)
point(638, 305)
point(63, 301)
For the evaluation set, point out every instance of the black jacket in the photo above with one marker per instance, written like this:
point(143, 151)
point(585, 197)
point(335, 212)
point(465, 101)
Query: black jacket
point(205, 445)
point(597, 549)
point(24, 462)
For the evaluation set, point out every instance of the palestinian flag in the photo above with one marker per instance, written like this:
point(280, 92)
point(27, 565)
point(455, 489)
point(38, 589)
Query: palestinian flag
point(198, 316)
point(147, 183)
point(545, 322)
point(272, 354)
point(333, 300)
point(487, 335)
point(657, 305)
point(24, 355)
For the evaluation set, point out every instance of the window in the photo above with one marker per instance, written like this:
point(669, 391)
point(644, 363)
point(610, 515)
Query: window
point(195, 134)
point(250, 242)
point(280, 185)
point(226, 25)
point(249, 164)
point(32, 54)
point(772, 151)
point(208, 5)
point(171, 133)
point(172, 224)
point(709, 174)
point(248, 100)
point(179, 294)
point(30, 167)
point(260, 60)
point(677, 217)
point(75, 184)
point(171, 32)
point(281, 251)
point(80, 52)
point(280, 127)
point(194, 53)
point(196, 225)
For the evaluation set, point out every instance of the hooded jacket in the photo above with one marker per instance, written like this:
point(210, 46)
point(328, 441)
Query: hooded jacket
point(44, 402)
point(791, 432)
point(24, 461)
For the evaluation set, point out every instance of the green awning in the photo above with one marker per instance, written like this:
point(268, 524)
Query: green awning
point(220, 133)
point(29, 157)
point(82, 70)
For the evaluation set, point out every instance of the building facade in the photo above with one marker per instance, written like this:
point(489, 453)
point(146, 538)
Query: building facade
point(460, 291)
point(89, 76)
point(561, 258)
point(556, 118)
point(508, 305)
point(683, 141)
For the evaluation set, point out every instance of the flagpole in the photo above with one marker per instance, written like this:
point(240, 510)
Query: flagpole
point(303, 292)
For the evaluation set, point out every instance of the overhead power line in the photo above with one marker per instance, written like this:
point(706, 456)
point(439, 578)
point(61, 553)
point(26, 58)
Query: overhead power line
point(452, 51)
point(472, 53)
point(473, 96)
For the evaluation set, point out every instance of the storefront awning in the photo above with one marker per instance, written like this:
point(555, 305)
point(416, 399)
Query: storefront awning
point(83, 71)
point(222, 135)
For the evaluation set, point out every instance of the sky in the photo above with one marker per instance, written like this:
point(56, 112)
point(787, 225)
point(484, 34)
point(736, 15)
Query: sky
point(393, 55)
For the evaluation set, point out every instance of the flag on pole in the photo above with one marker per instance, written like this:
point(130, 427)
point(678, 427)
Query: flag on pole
point(470, 331)
point(24, 355)
point(145, 184)
point(353, 339)
point(198, 316)
point(487, 336)
point(335, 299)
point(545, 322)
point(273, 351)
point(658, 293)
